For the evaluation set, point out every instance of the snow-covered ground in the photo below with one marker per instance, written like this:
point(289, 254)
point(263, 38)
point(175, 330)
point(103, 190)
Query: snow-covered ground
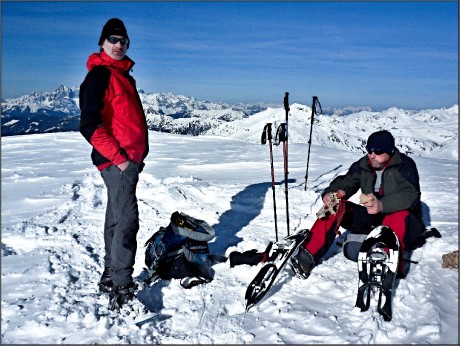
point(53, 203)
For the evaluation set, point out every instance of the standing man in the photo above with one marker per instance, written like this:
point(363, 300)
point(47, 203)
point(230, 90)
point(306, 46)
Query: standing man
point(113, 122)
point(389, 182)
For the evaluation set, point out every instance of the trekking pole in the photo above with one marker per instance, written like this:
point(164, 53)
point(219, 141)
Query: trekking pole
point(281, 137)
point(315, 103)
point(267, 132)
point(286, 109)
point(285, 155)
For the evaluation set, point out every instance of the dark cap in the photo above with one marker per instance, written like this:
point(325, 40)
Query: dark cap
point(113, 26)
point(381, 141)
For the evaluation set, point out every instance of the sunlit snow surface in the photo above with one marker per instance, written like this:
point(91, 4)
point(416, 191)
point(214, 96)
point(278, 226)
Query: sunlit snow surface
point(53, 203)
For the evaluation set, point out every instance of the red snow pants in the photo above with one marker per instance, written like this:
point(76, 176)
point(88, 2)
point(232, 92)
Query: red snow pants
point(355, 218)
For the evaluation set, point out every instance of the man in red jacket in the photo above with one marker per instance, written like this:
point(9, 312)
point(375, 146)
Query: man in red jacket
point(113, 122)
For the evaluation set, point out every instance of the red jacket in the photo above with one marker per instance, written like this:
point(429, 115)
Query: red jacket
point(112, 118)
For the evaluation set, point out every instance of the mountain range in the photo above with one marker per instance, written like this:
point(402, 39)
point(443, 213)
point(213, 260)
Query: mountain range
point(418, 132)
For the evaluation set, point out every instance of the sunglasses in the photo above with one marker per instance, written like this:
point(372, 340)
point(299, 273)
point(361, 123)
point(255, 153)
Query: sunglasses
point(375, 151)
point(115, 40)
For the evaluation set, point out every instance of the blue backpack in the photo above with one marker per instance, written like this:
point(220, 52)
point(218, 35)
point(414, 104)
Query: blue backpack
point(180, 251)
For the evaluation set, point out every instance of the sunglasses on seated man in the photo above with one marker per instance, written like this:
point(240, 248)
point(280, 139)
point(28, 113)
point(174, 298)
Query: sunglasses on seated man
point(115, 40)
point(375, 151)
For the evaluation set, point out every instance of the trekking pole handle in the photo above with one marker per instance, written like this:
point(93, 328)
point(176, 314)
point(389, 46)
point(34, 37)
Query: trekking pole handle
point(286, 102)
point(316, 103)
point(269, 131)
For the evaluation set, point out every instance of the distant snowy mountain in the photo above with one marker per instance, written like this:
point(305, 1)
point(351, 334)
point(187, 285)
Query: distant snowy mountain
point(60, 102)
point(55, 111)
point(417, 132)
point(345, 110)
point(171, 113)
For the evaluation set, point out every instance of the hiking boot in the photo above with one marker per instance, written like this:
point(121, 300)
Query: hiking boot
point(105, 283)
point(302, 263)
point(120, 295)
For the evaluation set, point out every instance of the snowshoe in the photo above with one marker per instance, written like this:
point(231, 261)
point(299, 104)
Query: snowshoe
point(378, 264)
point(278, 256)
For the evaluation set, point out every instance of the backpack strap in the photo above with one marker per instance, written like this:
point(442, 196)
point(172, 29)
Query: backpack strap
point(174, 253)
point(192, 281)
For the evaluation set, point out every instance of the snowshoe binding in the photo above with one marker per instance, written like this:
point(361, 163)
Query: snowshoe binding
point(302, 263)
point(105, 283)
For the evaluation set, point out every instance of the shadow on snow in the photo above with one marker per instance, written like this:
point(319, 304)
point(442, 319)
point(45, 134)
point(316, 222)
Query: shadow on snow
point(246, 205)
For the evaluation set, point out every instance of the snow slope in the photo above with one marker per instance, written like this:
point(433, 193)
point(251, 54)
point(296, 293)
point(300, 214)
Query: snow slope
point(53, 203)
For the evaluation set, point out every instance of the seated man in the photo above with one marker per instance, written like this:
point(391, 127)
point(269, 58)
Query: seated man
point(390, 182)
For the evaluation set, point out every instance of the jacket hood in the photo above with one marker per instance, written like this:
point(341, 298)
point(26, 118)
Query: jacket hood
point(102, 59)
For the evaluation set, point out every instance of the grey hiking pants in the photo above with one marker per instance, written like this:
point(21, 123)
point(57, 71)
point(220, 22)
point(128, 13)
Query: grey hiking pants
point(121, 221)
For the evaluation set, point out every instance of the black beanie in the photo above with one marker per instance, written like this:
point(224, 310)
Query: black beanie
point(381, 140)
point(113, 26)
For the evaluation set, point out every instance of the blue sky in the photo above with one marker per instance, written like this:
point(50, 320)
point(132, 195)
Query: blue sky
point(378, 54)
